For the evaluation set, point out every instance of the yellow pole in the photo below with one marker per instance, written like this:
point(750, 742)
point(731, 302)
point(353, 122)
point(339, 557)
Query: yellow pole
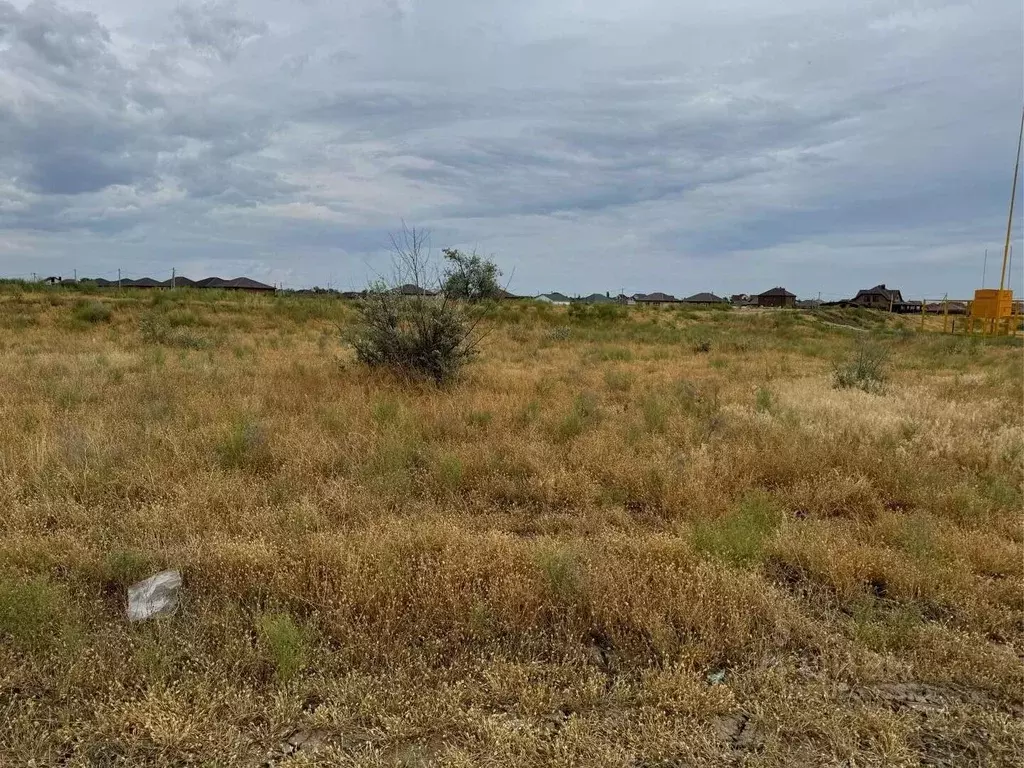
point(1013, 196)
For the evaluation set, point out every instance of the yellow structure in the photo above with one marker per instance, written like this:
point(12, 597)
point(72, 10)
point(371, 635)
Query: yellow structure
point(992, 312)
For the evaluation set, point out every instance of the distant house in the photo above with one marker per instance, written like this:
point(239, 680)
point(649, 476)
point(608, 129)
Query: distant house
point(178, 281)
point(743, 300)
point(553, 298)
point(597, 298)
point(776, 297)
point(704, 298)
point(142, 282)
point(655, 298)
point(878, 297)
point(413, 290)
point(502, 295)
point(246, 284)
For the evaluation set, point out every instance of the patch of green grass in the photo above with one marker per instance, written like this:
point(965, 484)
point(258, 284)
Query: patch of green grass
point(450, 472)
point(606, 354)
point(529, 414)
point(583, 413)
point(885, 629)
point(244, 446)
point(123, 567)
point(655, 413)
point(36, 615)
point(739, 536)
point(562, 574)
point(619, 381)
point(479, 419)
point(284, 642)
point(91, 312)
point(764, 401)
point(385, 411)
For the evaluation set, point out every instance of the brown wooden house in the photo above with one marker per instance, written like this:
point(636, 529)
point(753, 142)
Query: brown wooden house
point(776, 297)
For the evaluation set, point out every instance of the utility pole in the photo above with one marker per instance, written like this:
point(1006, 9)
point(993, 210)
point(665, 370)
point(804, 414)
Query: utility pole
point(1013, 198)
point(76, 275)
point(174, 277)
point(984, 268)
point(119, 278)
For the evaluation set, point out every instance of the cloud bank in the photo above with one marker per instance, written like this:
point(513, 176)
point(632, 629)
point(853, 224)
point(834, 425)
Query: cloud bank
point(652, 145)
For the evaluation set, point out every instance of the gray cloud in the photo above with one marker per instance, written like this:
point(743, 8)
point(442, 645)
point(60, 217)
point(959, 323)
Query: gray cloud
point(681, 146)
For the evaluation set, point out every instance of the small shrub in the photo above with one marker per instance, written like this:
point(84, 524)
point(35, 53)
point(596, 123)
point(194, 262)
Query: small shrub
point(865, 370)
point(157, 329)
point(702, 346)
point(284, 642)
point(561, 333)
point(764, 402)
point(92, 312)
point(413, 335)
point(739, 536)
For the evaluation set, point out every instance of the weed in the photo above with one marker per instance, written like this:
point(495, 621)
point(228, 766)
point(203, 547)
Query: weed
point(619, 381)
point(284, 642)
point(35, 614)
point(92, 312)
point(655, 413)
point(702, 346)
point(583, 413)
point(764, 402)
point(479, 419)
point(562, 574)
point(739, 536)
point(865, 370)
point(450, 472)
point(245, 446)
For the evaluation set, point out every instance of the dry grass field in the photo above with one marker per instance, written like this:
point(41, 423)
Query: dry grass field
point(657, 539)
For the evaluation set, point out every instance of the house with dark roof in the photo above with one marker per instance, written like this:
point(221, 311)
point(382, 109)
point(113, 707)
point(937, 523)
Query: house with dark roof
point(409, 289)
point(655, 298)
point(704, 298)
point(776, 297)
point(553, 298)
point(878, 297)
point(597, 298)
point(245, 284)
point(743, 300)
point(178, 281)
point(142, 282)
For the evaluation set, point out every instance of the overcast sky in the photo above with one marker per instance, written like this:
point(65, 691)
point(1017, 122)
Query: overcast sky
point(723, 145)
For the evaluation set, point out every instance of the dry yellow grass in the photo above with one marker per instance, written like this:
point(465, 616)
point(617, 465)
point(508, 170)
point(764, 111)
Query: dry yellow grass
point(602, 548)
